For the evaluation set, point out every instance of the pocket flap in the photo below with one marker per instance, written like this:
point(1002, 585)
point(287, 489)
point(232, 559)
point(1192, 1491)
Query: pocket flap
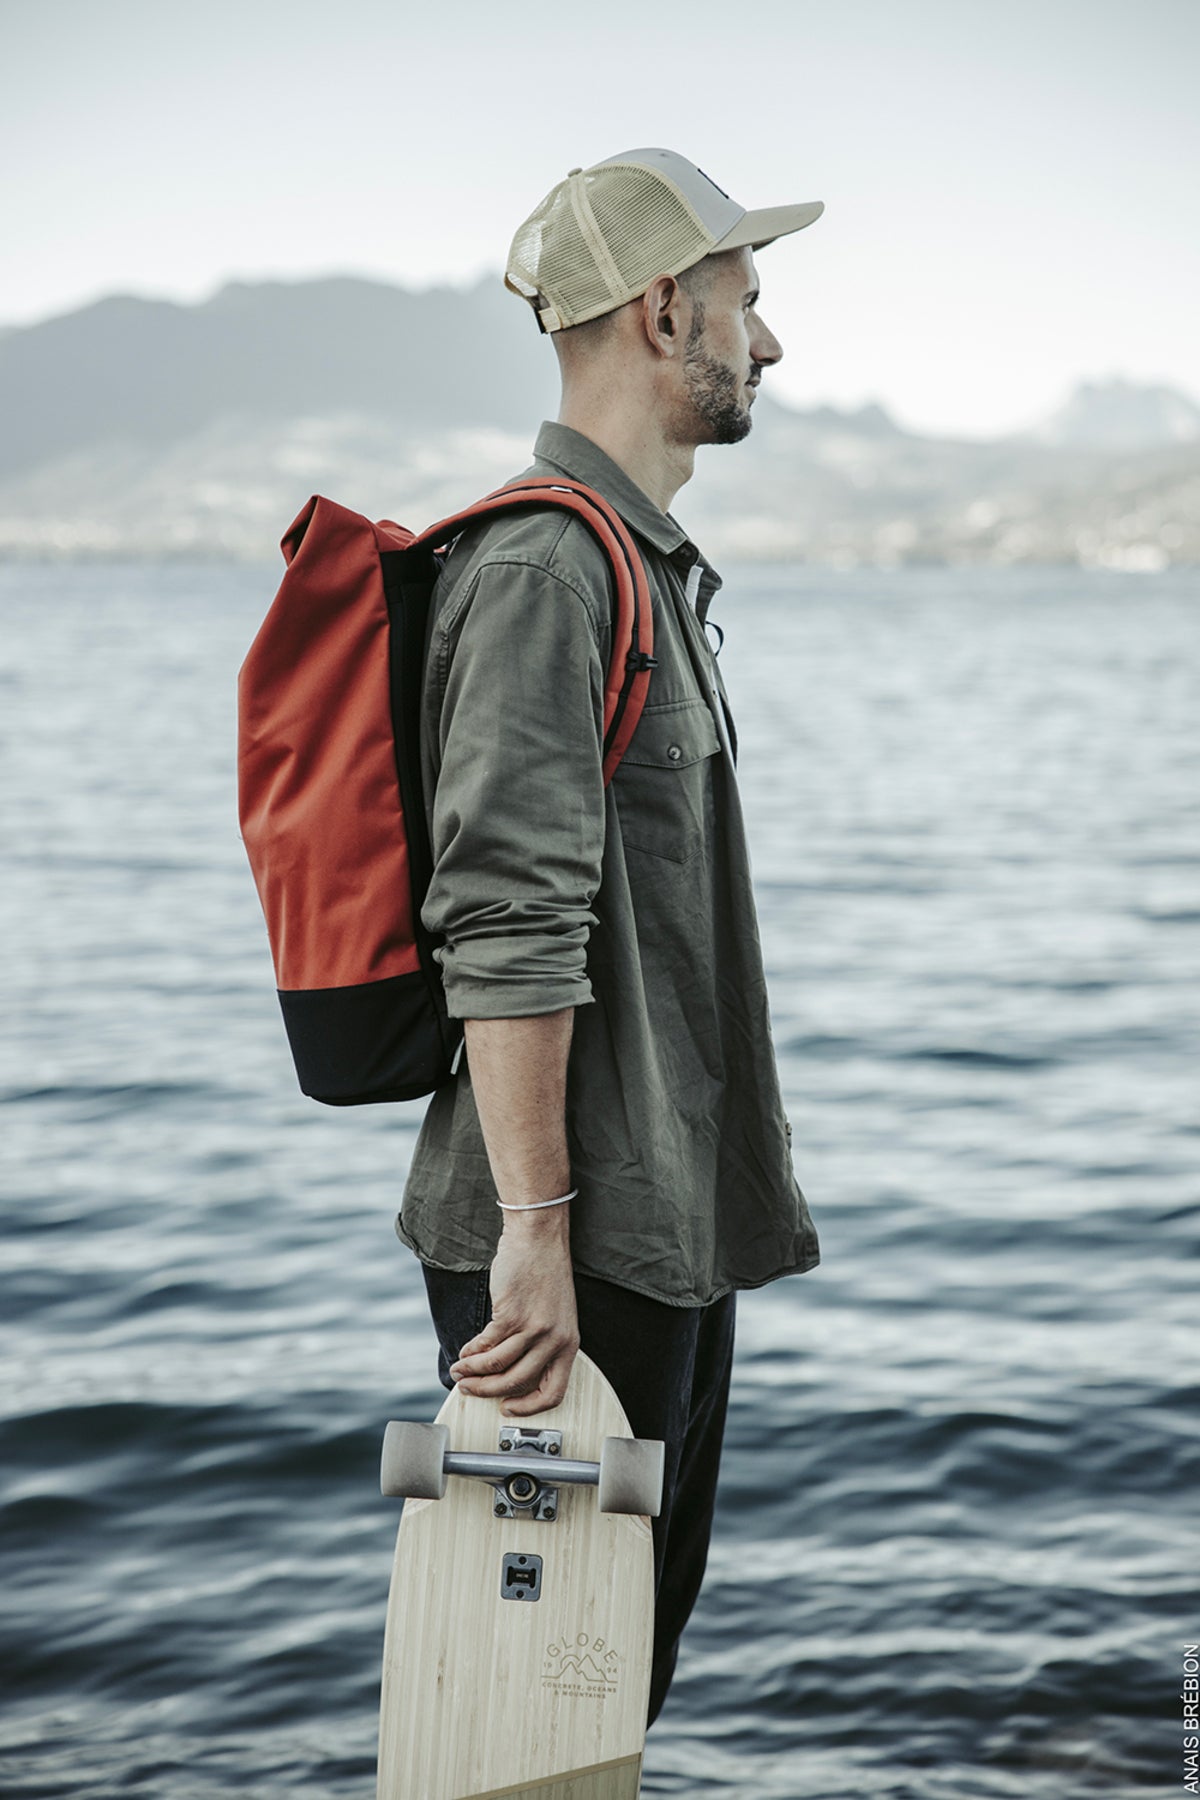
point(672, 736)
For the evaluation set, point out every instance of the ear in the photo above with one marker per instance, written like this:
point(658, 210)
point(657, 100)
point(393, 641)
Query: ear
point(664, 305)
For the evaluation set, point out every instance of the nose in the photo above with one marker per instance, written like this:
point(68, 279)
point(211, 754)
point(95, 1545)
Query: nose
point(765, 347)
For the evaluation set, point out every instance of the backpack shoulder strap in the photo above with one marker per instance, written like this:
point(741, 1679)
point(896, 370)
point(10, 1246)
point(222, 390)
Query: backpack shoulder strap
point(628, 679)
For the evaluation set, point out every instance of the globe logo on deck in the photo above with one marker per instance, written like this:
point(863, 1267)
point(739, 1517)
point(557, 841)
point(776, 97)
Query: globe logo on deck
point(582, 1667)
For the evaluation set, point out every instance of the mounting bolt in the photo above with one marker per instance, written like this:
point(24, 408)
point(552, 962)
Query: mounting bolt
point(553, 1448)
point(498, 1510)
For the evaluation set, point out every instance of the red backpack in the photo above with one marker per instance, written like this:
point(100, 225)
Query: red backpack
point(329, 781)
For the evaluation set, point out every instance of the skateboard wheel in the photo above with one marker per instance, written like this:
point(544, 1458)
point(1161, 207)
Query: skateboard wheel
point(631, 1475)
point(413, 1463)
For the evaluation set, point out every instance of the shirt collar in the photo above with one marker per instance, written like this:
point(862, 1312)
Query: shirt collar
point(569, 452)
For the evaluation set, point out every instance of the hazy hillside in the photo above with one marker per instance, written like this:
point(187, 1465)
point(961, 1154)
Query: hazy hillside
point(146, 428)
point(1121, 415)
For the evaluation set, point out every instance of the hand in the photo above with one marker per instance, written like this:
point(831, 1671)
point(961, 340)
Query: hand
point(524, 1355)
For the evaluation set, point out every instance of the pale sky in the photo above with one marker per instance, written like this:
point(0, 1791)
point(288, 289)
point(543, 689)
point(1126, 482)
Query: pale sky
point(1012, 186)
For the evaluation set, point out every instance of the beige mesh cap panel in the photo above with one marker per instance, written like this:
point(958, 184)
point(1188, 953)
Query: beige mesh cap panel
point(600, 237)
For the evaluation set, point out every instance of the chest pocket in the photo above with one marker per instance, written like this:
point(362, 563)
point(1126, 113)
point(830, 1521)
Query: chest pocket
point(663, 787)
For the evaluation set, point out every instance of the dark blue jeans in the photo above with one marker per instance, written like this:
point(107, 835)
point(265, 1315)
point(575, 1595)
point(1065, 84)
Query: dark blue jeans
point(670, 1366)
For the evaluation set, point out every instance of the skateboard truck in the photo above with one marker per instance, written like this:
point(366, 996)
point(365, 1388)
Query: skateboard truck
point(417, 1461)
point(523, 1491)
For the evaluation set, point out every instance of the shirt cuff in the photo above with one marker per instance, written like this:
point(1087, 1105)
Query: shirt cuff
point(515, 977)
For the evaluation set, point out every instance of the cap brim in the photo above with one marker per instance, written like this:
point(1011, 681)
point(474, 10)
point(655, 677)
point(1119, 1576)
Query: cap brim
point(757, 229)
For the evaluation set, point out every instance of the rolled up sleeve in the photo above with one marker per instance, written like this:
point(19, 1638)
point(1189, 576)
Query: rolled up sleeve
point(517, 818)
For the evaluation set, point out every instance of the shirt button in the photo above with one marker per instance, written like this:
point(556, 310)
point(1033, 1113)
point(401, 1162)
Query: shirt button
point(674, 752)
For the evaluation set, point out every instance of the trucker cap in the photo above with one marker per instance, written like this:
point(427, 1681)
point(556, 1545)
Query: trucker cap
point(601, 236)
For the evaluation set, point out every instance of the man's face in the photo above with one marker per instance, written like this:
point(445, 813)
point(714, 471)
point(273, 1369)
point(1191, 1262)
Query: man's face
point(727, 348)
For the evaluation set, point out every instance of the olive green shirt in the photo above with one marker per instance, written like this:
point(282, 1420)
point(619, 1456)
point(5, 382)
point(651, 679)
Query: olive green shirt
point(632, 904)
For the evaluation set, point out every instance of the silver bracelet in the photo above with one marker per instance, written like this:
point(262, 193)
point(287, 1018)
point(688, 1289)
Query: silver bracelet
point(537, 1205)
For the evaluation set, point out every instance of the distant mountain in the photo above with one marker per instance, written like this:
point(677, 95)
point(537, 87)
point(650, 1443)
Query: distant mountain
point(148, 429)
point(1119, 415)
point(154, 372)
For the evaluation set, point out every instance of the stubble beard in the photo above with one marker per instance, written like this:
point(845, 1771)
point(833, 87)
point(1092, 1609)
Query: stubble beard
point(714, 388)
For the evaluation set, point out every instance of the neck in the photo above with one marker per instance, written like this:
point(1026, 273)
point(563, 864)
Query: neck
point(635, 439)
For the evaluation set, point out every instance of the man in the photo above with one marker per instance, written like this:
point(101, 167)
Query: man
point(612, 1161)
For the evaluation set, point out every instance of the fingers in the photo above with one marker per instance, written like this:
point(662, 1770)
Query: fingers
point(521, 1394)
point(514, 1369)
point(525, 1378)
point(550, 1391)
point(523, 1356)
point(487, 1339)
point(491, 1359)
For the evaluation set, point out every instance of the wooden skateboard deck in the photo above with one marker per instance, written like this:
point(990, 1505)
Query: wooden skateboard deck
point(530, 1698)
